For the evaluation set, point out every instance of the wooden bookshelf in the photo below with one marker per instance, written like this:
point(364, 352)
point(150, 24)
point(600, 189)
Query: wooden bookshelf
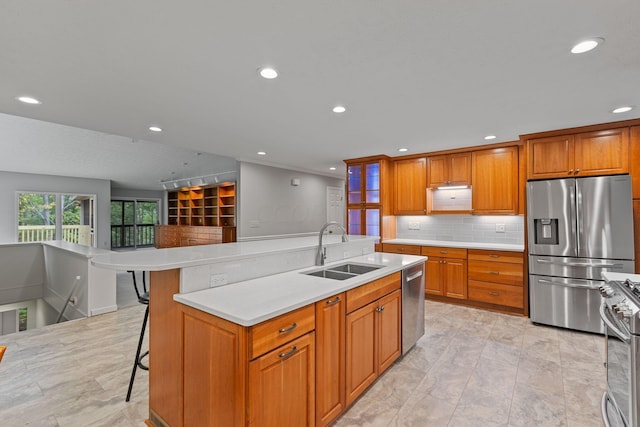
point(199, 215)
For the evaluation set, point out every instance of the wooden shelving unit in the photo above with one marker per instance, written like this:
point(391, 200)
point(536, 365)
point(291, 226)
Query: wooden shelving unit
point(212, 206)
point(199, 215)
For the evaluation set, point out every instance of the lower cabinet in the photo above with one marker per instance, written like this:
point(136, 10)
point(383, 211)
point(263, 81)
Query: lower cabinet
point(496, 277)
point(282, 386)
point(330, 359)
point(373, 342)
point(302, 368)
point(446, 272)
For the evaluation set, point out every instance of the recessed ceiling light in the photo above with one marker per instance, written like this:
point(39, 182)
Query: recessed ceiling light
point(339, 109)
point(622, 109)
point(262, 153)
point(28, 100)
point(587, 45)
point(488, 137)
point(155, 129)
point(402, 150)
point(332, 168)
point(268, 73)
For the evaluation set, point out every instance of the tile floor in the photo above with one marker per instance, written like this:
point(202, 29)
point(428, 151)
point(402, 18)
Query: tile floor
point(472, 368)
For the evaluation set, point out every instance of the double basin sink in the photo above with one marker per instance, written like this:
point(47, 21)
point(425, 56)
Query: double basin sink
point(343, 271)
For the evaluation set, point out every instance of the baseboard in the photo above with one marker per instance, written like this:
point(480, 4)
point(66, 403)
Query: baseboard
point(103, 310)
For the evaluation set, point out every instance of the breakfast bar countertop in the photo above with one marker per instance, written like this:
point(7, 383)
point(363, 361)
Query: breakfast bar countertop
point(253, 301)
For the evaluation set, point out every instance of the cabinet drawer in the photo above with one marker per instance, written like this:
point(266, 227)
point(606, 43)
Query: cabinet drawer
point(500, 272)
point(272, 333)
point(444, 252)
point(363, 295)
point(500, 256)
point(401, 249)
point(495, 293)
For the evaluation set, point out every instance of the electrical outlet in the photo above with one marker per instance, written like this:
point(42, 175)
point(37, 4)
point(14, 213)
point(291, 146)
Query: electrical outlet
point(414, 226)
point(500, 228)
point(217, 280)
point(254, 224)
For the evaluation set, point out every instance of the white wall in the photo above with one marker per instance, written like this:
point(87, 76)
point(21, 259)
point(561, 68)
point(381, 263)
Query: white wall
point(269, 205)
point(13, 182)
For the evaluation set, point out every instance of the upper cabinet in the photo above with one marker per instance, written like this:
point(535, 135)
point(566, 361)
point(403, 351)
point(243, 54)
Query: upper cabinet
point(410, 184)
point(495, 181)
point(603, 152)
point(369, 197)
point(449, 169)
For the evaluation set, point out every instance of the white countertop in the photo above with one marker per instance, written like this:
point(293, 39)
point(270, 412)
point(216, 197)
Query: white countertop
point(253, 301)
point(452, 244)
point(190, 256)
point(82, 250)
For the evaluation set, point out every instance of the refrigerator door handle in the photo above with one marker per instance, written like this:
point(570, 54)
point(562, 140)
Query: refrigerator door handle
point(580, 264)
point(568, 285)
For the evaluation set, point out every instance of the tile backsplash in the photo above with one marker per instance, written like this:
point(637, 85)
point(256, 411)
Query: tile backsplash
point(463, 228)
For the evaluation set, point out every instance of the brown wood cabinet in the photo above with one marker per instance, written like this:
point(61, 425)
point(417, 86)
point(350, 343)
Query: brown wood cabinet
point(635, 163)
point(212, 206)
point(282, 385)
point(267, 369)
point(446, 272)
point(410, 184)
point(373, 342)
point(171, 236)
point(495, 181)
point(496, 277)
point(601, 152)
point(369, 197)
point(636, 228)
point(395, 248)
point(330, 359)
point(449, 169)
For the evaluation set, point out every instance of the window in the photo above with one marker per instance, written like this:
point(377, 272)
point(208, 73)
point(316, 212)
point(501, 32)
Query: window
point(54, 216)
point(133, 223)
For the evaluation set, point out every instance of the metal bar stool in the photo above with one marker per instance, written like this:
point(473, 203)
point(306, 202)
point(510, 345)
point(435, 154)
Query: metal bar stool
point(143, 298)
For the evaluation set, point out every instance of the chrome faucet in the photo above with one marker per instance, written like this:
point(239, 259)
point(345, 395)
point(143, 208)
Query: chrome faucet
point(322, 252)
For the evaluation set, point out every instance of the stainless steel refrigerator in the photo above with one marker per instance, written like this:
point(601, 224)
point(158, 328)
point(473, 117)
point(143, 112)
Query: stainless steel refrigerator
point(577, 229)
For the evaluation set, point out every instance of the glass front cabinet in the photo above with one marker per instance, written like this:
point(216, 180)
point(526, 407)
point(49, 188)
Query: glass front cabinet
point(368, 198)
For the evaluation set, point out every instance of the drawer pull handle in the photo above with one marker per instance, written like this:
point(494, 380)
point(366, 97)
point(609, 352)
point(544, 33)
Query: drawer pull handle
point(289, 353)
point(444, 252)
point(494, 272)
point(333, 301)
point(494, 294)
point(289, 329)
point(380, 309)
point(494, 256)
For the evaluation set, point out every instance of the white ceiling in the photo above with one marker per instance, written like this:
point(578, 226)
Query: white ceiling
point(426, 75)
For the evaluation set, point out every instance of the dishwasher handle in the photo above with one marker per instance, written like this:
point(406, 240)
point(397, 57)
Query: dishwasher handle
point(414, 276)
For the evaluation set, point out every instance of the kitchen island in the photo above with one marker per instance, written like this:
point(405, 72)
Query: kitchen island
point(212, 351)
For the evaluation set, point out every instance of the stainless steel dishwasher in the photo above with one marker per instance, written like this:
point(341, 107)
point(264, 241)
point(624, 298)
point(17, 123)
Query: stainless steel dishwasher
point(412, 306)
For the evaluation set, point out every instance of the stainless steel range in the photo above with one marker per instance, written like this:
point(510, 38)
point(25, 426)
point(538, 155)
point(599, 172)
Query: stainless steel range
point(620, 312)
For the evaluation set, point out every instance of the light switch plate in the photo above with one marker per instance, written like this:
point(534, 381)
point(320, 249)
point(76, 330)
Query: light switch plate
point(414, 226)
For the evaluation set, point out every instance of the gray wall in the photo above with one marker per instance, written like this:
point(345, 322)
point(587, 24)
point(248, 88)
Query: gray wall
point(269, 205)
point(13, 182)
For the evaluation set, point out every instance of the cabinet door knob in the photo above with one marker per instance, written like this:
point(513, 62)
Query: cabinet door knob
point(289, 353)
point(380, 309)
point(577, 171)
point(570, 171)
point(289, 329)
point(333, 301)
